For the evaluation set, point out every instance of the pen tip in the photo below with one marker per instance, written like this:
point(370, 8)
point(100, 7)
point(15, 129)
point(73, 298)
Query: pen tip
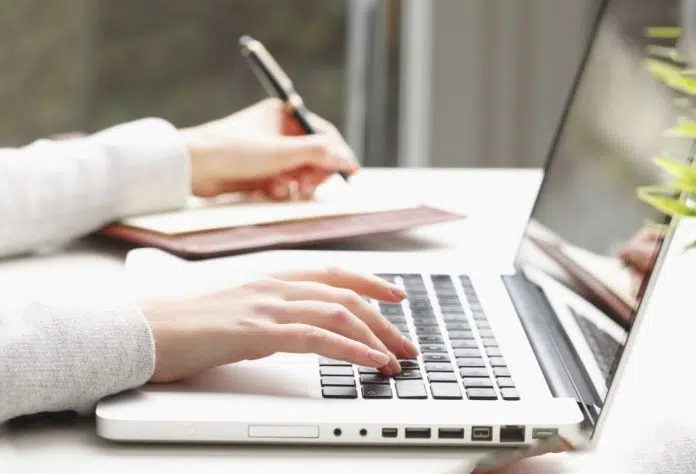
point(245, 39)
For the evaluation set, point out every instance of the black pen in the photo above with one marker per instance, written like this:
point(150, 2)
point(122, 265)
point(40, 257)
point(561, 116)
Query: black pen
point(277, 83)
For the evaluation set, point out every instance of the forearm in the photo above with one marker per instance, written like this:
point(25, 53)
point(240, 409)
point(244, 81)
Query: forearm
point(66, 353)
point(55, 191)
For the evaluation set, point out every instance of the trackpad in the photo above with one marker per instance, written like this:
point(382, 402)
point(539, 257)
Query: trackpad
point(262, 378)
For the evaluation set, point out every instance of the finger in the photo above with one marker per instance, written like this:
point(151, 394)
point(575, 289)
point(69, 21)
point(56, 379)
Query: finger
point(488, 465)
point(640, 256)
point(280, 189)
point(318, 150)
point(306, 339)
point(335, 318)
point(309, 181)
point(377, 325)
point(363, 284)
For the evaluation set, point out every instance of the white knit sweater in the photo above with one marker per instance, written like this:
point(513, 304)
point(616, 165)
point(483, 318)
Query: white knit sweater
point(66, 355)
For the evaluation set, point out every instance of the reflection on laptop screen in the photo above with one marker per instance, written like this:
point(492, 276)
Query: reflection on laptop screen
point(588, 237)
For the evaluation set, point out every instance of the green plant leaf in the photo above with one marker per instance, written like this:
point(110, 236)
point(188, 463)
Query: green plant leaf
point(683, 172)
point(660, 198)
point(683, 130)
point(663, 32)
point(671, 75)
point(664, 52)
point(691, 246)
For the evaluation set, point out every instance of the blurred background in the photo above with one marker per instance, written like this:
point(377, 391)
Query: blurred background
point(431, 83)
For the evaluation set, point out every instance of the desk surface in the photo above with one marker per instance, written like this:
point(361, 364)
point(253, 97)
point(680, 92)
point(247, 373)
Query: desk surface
point(497, 203)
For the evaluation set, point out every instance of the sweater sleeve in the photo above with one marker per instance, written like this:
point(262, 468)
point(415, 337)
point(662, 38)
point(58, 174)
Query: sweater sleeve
point(65, 352)
point(52, 192)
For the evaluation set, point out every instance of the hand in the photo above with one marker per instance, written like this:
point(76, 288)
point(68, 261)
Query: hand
point(318, 311)
point(262, 149)
point(639, 254)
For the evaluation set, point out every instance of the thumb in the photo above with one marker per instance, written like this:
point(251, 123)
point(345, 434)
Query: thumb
point(316, 150)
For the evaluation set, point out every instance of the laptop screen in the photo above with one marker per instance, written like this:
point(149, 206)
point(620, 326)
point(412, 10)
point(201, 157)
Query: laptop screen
point(590, 237)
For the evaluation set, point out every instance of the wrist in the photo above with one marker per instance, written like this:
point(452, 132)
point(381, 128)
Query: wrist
point(199, 151)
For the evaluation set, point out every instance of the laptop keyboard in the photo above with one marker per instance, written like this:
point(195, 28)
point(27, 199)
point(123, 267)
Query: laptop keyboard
point(604, 348)
point(460, 358)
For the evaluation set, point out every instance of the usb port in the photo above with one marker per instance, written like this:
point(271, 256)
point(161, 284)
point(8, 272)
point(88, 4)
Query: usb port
point(481, 433)
point(417, 432)
point(541, 433)
point(512, 434)
point(450, 433)
point(389, 432)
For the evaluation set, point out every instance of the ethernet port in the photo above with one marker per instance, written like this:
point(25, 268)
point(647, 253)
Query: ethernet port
point(512, 434)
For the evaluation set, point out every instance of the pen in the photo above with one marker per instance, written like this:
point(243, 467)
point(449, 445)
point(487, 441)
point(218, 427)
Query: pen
point(276, 82)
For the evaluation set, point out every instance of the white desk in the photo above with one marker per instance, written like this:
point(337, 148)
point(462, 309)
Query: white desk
point(497, 203)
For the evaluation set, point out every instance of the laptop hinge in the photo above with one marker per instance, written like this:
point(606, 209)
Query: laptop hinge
point(563, 371)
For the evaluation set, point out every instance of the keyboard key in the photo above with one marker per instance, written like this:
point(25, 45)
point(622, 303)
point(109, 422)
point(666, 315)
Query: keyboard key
point(339, 392)
point(374, 378)
point(454, 317)
point(464, 344)
point(497, 362)
point(435, 357)
point(401, 326)
point(424, 320)
point(376, 391)
point(509, 394)
point(428, 330)
point(505, 382)
point(429, 339)
point(327, 361)
point(481, 394)
point(368, 370)
point(333, 381)
point(332, 370)
point(473, 372)
point(422, 323)
point(438, 367)
point(433, 348)
point(409, 364)
point(486, 333)
point(461, 335)
point(489, 342)
point(478, 382)
point(483, 325)
point(470, 362)
point(470, 352)
point(458, 326)
point(449, 391)
point(449, 308)
point(493, 352)
point(410, 389)
point(442, 377)
point(408, 374)
point(501, 372)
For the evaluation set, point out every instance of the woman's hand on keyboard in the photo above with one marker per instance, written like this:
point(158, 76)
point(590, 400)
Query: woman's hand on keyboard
point(314, 311)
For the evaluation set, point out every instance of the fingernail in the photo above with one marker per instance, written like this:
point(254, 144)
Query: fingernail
point(399, 292)
point(411, 348)
point(379, 357)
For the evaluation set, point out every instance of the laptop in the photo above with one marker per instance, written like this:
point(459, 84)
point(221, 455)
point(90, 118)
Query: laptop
point(508, 355)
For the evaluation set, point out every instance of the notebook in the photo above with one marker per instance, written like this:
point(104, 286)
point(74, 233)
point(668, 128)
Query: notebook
point(232, 224)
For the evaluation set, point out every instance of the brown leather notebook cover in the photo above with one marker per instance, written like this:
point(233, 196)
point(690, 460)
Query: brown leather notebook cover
point(294, 234)
point(618, 309)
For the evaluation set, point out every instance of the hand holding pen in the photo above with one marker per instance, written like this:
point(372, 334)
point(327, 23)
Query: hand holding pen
point(278, 84)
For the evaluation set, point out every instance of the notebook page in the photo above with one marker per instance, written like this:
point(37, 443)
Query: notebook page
point(333, 198)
